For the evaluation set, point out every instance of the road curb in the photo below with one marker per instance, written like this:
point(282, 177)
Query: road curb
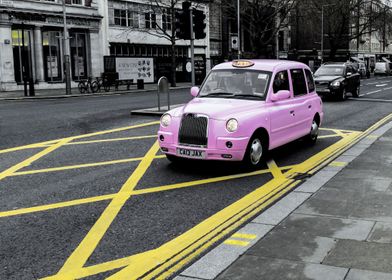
point(214, 262)
point(63, 96)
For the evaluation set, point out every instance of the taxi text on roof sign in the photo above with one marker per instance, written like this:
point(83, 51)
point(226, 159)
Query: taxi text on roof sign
point(242, 63)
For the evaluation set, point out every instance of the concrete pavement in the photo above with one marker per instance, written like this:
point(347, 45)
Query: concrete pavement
point(60, 93)
point(336, 225)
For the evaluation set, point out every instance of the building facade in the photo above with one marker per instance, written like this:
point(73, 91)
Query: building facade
point(32, 42)
point(142, 29)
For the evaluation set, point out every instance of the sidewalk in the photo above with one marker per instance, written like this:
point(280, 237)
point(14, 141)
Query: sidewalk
point(335, 226)
point(60, 93)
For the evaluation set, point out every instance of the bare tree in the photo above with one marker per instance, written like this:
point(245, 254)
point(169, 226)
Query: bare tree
point(261, 21)
point(345, 21)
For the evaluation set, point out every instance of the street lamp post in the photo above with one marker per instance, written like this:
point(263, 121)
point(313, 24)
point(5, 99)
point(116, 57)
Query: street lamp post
point(239, 29)
point(322, 30)
point(66, 53)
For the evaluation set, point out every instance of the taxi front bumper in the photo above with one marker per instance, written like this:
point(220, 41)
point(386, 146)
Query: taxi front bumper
point(221, 148)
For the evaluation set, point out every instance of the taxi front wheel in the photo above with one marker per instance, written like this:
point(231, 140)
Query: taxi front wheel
point(255, 152)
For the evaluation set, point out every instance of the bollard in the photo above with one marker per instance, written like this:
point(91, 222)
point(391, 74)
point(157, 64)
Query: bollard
point(31, 87)
point(163, 87)
point(140, 84)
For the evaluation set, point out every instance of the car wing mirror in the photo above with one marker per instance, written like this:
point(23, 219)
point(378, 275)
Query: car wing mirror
point(195, 91)
point(280, 95)
point(349, 73)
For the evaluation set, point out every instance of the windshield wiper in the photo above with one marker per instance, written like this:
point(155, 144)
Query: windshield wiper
point(223, 94)
point(249, 95)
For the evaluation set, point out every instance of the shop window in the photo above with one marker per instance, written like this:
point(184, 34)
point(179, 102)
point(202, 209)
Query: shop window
point(78, 55)
point(21, 46)
point(126, 18)
point(52, 55)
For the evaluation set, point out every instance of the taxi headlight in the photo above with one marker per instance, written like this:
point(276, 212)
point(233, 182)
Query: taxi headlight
point(232, 125)
point(165, 120)
point(335, 84)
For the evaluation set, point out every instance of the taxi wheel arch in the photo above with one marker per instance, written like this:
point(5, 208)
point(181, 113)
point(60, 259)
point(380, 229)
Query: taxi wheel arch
point(262, 135)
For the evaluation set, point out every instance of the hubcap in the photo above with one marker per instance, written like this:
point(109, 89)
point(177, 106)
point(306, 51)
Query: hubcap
point(314, 131)
point(256, 151)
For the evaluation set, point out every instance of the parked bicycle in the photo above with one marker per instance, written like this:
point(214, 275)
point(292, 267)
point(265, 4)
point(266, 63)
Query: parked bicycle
point(102, 83)
point(85, 86)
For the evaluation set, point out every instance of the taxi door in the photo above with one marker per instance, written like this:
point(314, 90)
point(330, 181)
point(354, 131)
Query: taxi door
point(302, 104)
point(282, 115)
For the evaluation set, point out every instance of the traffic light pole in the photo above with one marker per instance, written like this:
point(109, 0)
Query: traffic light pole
point(192, 49)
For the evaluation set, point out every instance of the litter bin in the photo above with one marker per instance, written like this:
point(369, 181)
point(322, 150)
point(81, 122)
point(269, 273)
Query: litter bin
point(140, 84)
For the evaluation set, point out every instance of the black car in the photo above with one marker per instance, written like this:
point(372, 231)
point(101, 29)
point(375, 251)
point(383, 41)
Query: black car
point(336, 80)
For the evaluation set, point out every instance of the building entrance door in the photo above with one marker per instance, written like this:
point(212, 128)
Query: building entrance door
point(52, 55)
point(21, 45)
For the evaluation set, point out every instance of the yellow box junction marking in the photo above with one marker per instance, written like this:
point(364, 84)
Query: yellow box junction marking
point(81, 254)
point(135, 192)
point(275, 170)
point(181, 250)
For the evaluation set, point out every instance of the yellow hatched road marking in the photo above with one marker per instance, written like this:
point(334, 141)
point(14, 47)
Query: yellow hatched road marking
point(275, 170)
point(43, 144)
point(85, 165)
point(236, 242)
point(135, 192)
point(81, 254)
point(30, 160)
point(112, 140)
point(244, 235)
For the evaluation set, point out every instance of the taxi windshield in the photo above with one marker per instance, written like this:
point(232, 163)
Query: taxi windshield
point(330, 71)
point(236, 83)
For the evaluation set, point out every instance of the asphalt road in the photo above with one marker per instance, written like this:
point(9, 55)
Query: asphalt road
point(88, 207)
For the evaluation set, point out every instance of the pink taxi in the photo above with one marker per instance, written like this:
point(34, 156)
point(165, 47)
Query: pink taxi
point(243, 109)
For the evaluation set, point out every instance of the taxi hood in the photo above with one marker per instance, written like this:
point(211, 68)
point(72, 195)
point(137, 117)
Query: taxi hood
point(220, 108)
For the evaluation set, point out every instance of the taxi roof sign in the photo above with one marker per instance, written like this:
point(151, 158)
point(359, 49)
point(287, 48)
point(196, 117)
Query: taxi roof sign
point(242, 63)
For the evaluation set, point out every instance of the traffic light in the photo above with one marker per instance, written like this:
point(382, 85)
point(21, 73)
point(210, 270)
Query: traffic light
point(198, 24)
point(183, 27)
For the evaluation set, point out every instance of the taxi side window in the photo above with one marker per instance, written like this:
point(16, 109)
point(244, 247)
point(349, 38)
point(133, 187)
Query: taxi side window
point(299, 83)
point(310, 80)
point(281, 81)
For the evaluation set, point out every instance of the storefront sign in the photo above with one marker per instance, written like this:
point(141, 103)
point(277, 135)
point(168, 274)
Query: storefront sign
point(135, 68)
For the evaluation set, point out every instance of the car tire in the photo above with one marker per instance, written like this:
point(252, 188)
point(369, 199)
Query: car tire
point(311, 138)
point(356, 91)
point(255, 152)
point(342, 95)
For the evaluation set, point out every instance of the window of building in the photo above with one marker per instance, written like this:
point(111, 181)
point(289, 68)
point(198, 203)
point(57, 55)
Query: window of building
point(77, 2)
point(310, 80)
point(150, 20)
point(281, 81)
point(52, 56)
point(299, 82)
point(126, 18)
point(166, 20)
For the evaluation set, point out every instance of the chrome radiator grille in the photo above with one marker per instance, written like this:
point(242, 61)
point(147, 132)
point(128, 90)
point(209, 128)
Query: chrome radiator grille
point(193, 130)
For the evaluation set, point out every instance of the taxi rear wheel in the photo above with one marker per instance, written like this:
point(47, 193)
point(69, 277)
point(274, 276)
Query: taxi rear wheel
point(314, 132)
point(255, 152)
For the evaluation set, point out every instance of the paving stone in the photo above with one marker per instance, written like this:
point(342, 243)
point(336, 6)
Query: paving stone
point(315, 182)
point(256, 268)
point(362, 255)
point(345, 158)
point(275, 214)
point(297, 239)
point(358, 274)
point(217, 260)
point(185, 278)
point(382, 233)
point(368, 182)
point(356, 150)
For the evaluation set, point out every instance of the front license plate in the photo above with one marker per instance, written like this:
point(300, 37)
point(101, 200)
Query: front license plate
point(190, 153)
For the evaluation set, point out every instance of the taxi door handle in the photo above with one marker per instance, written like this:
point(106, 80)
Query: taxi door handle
point(310, 106)
point(292, 113)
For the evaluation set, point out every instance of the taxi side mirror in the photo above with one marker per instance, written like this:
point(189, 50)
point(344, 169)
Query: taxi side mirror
point(195, 91)
point(280, 95)
point(349, 73)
